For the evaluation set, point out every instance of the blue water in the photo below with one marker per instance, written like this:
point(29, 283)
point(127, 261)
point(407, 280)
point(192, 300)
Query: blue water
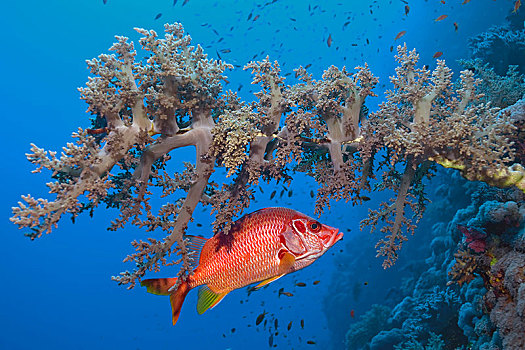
point(56, 292)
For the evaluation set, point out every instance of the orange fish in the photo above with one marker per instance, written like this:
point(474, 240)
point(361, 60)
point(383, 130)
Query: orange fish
point(465, 2)
point(437, 54)
point(400, 34)
point(455, 26)
point(261, 247)
point(352, 313)
point(517, 5)
point(440, 18)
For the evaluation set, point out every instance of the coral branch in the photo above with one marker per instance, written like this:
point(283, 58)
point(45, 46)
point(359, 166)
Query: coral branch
point(146, 107)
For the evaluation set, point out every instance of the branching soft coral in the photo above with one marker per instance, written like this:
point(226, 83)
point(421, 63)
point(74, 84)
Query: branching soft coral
point(146, 108)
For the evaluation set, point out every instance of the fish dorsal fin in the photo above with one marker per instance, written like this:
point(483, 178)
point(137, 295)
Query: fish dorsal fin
point(287, 261)
point(208, 299)
point(269, 280)
point(196, 243)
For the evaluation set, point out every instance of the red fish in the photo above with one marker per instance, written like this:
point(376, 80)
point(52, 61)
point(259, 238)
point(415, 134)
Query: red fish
point(437, 54)
point(261, 247)
point(400, 34)
point(517, 5)
point(440, 18)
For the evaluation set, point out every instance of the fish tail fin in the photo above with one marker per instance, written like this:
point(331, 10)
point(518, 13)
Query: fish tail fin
point(159, 286)
point(176, 299)
point(163, 286)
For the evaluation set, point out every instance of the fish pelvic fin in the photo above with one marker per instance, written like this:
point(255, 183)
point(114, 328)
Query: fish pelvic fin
point(208, 299)
point(159, 286)
point(269, 280)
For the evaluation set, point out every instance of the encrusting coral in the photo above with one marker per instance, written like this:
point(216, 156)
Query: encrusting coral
point(173, 98)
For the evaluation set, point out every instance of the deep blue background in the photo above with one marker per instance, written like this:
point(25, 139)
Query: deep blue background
point(56, 292)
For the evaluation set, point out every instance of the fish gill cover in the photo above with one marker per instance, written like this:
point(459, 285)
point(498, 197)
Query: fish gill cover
point(267, 103)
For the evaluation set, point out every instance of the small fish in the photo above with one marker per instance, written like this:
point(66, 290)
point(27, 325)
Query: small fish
point(273, 194)
point(316, 282)
point(302, 324)
point(300, 284)
point(272, 242)
point(158, 15)
point(437, 54)
point(104, 1)
point(400, 34)
point(260, 318)
point(465, 2)
point(289, 325)
point(185, 2)
point(391, 48)
point(308, 66)
point(407, 10)
point(103, 130)
point(352, 313)
point(276, 323)
point(455, 26)
point(255, 18)
point(364, 198)
point(517, 5)
point(288, 294)
point(199, 225)
point(312, 194)
point(270, 340)
point(440, 18)
point(311, 342)
point(226, 50)
point(233, 330)
point(329, 40)
point(366, 283)
point(282, 193)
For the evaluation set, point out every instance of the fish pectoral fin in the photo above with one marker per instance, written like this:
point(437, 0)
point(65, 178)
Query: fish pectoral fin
point(208, 299)
point(269, 280)
point(287, 261)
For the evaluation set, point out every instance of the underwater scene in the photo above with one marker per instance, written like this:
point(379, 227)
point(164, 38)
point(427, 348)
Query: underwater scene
point(263, 174)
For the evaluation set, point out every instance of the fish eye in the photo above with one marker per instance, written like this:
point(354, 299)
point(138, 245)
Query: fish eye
point(314, 226)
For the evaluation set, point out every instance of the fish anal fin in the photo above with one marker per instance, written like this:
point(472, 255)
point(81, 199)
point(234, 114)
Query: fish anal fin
point(269, 280)
point(208, 299)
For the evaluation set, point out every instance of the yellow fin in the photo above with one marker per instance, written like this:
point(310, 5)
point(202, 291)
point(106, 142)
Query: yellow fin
point(269, 280)
point(208, 299)
point(287, 261)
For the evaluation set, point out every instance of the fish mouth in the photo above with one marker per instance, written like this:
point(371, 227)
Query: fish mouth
point(333, 237)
